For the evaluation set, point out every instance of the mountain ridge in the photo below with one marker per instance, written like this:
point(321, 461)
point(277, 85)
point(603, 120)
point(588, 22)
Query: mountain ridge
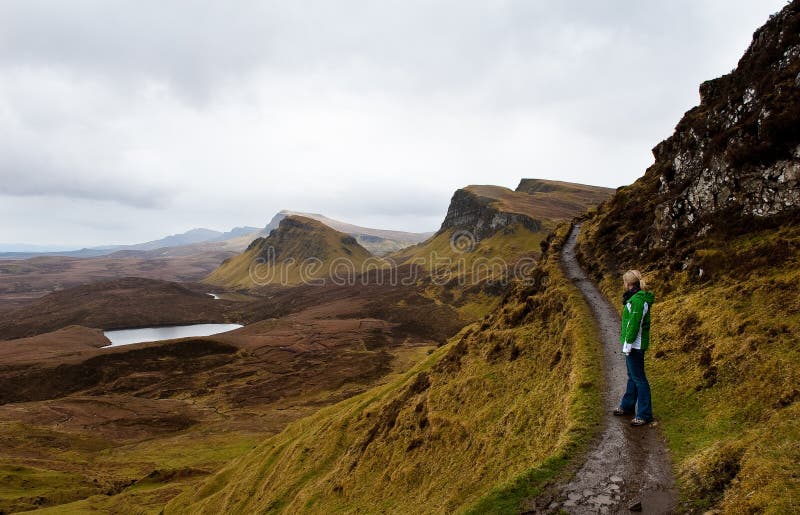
point(197, 235)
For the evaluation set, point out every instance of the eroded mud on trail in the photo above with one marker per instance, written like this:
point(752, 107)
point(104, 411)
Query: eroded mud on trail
point(626, 465)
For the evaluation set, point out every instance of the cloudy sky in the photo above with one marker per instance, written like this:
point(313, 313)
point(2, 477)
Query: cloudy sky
point(123, 121)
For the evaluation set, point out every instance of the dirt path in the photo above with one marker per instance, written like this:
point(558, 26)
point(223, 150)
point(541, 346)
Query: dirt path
point(628, 464)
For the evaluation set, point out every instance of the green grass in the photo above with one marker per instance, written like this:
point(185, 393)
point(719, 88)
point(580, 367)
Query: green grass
point(584, 416)
point(529, 485)
point(27, 488)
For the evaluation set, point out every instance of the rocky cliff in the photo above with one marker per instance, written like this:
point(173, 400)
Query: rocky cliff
point(476, 209)
point(737, 154)
point(739, 150)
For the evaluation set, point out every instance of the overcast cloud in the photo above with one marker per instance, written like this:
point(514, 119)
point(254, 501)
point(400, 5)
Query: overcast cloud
point(123, 121)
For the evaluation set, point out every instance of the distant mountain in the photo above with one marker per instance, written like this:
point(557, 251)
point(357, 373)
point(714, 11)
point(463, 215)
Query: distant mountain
point(236, 232)
point(190, 237)
point(81, 253)
point(174, 240)
point(377, 241)
point(28, 247)
point(563, 199)
point(283, 257)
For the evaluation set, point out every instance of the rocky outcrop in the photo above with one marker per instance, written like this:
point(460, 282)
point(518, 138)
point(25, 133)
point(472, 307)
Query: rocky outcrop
point(481, 215)
point(298, 250)
point(738, 152)
point(298, 237)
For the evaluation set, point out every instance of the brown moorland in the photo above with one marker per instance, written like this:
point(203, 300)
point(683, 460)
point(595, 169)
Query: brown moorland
point(26, 279)
point(94, 425)
point(114, 304)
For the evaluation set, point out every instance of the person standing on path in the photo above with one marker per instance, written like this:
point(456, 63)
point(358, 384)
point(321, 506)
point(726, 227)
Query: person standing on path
point(635, 338)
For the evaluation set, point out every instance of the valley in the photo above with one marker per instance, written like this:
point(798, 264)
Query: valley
point(133, 425)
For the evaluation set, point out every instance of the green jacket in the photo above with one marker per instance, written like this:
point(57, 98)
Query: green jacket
point(636, 319)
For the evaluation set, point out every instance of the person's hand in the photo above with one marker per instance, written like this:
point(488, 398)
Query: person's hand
point(626, 349)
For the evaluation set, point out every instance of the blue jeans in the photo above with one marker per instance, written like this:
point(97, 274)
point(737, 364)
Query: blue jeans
point(637, 394)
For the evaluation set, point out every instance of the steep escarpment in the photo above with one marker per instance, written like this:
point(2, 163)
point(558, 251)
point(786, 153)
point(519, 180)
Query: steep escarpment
point(739, 150)
point(300, 250)
point(714, 225)
point(479, 425)
point(733, 159)
point(535, 204)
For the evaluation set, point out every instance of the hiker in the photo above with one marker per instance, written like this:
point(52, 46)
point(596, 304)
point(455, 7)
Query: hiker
point(635, 337)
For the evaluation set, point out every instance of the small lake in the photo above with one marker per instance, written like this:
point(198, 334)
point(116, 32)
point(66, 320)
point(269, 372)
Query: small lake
point(151, 334)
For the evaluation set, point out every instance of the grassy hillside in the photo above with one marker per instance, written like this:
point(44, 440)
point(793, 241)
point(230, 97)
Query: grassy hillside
point(478, 425)
point(725, 366)
point(300, 250)
point(444, 256)
point(471, 280)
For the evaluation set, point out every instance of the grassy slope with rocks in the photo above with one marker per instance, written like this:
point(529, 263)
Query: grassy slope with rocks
point(723, 261)
point(725, 367)
point(478, 426)
point(472, 281)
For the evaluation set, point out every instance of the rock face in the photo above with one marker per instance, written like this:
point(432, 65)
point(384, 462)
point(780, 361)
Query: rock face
point(738, 151)
point(481, 215)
